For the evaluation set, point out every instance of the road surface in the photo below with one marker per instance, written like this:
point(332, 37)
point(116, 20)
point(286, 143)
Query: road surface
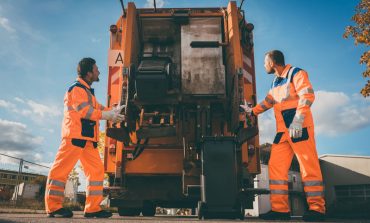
point(40, 217)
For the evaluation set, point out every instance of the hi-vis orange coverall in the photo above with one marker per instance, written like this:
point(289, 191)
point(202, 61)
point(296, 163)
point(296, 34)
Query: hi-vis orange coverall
point(80, 132)
point(292, 95)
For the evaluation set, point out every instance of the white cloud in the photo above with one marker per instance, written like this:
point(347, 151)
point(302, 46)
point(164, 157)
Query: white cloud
point(12, 39)
point(48, 130)
point(6, 104)
point(25, 112)
point(95, 40)
point(336, 113)
point(19, 100)
point(43, 110)
point(38, 156)
point(11, 124)
point(32, 168)
point(4, 22)
point(158, 3)
point(37, 111)
point(16, 139)
point(267, 127)
point(32, 33)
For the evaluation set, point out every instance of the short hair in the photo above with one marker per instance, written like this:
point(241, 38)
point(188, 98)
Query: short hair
point(85, 65)
point(277, 56)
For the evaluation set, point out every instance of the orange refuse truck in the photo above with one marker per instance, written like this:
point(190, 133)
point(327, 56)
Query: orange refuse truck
point(182, 74)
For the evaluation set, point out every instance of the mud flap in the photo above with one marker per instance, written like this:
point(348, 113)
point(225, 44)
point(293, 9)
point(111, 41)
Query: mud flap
point(245, 134)
point(120, 134)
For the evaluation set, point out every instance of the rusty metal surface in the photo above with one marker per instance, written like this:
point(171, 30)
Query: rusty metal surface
point(162, 36)
point(201, 68)
point(159, 30)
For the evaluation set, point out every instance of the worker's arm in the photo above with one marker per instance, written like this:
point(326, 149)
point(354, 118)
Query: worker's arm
point(81, 104)
point(102, 108)
point(306, 96)
point(305, 93)
point(264, 105)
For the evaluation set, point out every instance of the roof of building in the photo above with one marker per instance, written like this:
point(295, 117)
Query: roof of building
point(23, 172)
point(343, 156)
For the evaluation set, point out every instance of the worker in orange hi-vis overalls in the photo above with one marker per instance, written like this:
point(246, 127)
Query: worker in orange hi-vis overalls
point(291, 95)
point(80, 132)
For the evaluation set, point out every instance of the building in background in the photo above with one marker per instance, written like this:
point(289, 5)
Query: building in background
point(70, 191)
point(347, 185)
point(26, 191)
point(9, 178)
point(9, 181)
point(26, 188)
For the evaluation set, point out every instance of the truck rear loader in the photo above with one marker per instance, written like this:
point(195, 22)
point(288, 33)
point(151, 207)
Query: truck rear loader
point(182, 74)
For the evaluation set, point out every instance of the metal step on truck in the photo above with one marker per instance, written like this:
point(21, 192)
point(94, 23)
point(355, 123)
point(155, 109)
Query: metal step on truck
point(182, 74)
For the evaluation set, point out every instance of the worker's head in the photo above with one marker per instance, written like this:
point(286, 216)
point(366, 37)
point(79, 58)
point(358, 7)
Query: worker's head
point(274, 59)
point(88, 70)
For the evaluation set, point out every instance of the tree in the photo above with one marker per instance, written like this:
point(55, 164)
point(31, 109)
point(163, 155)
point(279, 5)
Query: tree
point(361, 34)
point(101, 148)
point(101, 143)
point(74, 177)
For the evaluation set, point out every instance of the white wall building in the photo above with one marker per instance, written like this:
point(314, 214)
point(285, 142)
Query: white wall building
point(70, 191)
point(347, 184)
point(296, 196)
point(26, 191)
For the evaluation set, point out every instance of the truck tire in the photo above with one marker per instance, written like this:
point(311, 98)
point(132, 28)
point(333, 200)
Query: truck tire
point(129, 211)
point(202, 210)
point(242, 212)
point(148, 209)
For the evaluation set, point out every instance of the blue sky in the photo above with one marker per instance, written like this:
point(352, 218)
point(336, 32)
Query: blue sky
point(42, 41)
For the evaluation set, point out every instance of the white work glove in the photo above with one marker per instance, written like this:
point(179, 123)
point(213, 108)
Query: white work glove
point(295, 129)
point(247, 109)
point(114, 114)
point(118, 108)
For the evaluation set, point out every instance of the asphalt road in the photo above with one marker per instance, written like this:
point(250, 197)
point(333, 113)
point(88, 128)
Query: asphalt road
point(78, 217)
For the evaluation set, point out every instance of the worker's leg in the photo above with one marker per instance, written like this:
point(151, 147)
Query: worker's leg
point(94, 171)
point(65, 160)
point(280, 160)
point(305, 150)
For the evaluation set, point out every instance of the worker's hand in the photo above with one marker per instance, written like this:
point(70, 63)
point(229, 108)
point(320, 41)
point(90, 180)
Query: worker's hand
point(295, 129)
point(113, 115)
point(118, 118)
point(118, 108)
point(246, 109)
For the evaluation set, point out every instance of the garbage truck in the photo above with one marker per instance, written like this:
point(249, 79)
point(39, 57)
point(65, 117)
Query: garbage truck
point(182, 74)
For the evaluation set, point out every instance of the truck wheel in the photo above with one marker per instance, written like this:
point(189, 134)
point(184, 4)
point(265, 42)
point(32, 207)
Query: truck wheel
point(241, 212)
point(129, 211)
point(148, 209)
point(202, 210)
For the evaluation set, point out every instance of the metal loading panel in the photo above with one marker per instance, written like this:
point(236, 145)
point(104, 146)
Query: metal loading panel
point(202, 70)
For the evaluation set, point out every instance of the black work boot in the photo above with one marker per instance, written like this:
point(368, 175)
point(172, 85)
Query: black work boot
point(312, 216)
point(274, 215)
point(60, 213)
point(98, 214)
